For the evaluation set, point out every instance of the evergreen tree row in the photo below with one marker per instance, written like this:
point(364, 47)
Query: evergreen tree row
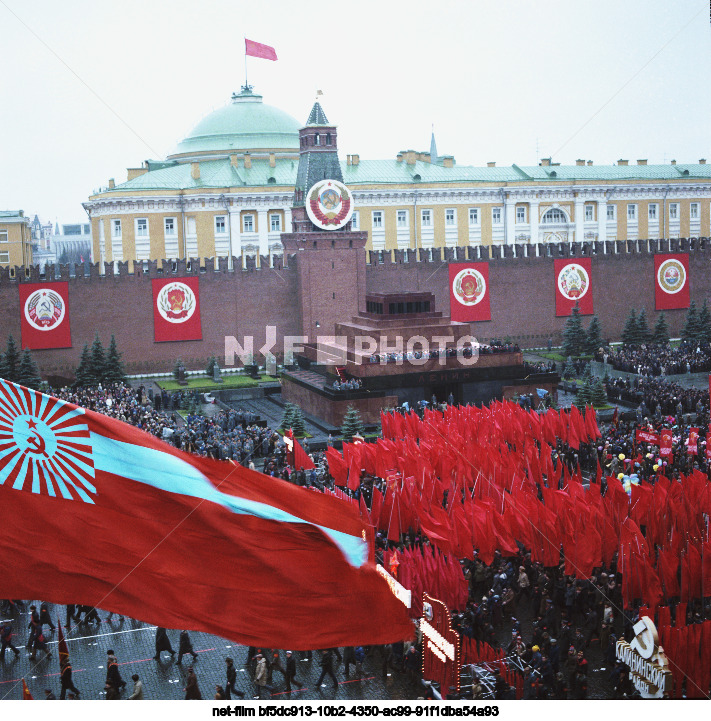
point(19, 367)
point(576, 340)
point(637, 332)
point(99, 366)
point(697, 328)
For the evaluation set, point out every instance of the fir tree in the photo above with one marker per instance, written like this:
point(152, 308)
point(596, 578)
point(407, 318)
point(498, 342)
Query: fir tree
point(593, 340)
point(629, 333)
point(352, 424)
point(587, 374)
point(705, 324)
point(298, 424)
point(98, 360)
point(113, 372)
point(176, 368)
point(599, 395)
point(574, 339)
point(691, 326)
point(28, 373)
point(584, 394)
point(4, 370)
point(644, 335)
point(12, 360)
point(288, 420)
point(569, 370)
point(83, 371)
point(661, 331)
point(211, 366)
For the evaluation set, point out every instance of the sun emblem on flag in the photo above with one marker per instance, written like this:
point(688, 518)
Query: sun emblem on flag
point(45, 446)
point(330, 205)
point(176, 302)
point(573, 281)
point(44, 309)
point(469, 286)
point(671, 276)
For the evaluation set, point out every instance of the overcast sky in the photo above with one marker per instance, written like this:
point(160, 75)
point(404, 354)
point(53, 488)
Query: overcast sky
point(91, 87)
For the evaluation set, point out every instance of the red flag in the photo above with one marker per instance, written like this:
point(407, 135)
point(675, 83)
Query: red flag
point(671, 280)
point(693, 445)
point(26, 695)
point(176, 309)
point(73, 474)
point(665, 448)
point(336, 466)
point(645, 436)
point(573, 284)
point(44, 315)
point(301, 457)
point(469, 292)
point(257, 50)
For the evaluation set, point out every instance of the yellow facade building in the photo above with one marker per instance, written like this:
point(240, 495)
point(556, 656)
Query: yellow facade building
point(15, 239)
point(227, 190)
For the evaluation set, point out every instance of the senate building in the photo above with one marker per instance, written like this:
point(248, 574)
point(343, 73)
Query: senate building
point(227, 189)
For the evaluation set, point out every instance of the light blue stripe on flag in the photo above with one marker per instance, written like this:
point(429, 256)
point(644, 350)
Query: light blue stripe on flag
point(173, 475)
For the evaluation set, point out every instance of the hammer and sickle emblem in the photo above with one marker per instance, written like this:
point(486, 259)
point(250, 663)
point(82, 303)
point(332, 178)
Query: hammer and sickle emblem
point(36, 443)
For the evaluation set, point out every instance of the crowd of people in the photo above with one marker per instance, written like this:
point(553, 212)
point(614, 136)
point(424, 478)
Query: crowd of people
point(657, 360)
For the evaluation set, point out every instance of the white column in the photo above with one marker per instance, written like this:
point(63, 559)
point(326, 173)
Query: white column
point(287, 220)
point(510, 210)
point(602, 220)
point(579, 220)
point(235, 236)
point(263, 231)
point(533, 220)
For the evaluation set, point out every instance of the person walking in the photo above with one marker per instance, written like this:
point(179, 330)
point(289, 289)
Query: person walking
point(291, 672)
point(6, 640)
point(327, 669)
point(113, 675)
point(162, 643)
point(260, 675)
point(192, 690)
point(185, 647)
point(137, 693)
point(231, 679)
point(66, 680)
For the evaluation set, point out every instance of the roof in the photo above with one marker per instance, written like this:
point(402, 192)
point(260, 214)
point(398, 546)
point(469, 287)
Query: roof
point(317, 116)
point(222, 174)
point(11, 214)
point(244, 124)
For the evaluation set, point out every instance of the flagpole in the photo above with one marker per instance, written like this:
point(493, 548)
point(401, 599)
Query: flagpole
point(246, 82)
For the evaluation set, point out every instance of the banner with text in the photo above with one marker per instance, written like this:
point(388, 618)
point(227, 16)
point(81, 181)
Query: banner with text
point(176, 309)
point(644, 436)
point(665, 446)
point(573, 285)
point(671, 281)
point(44, 315)
point(469, 292)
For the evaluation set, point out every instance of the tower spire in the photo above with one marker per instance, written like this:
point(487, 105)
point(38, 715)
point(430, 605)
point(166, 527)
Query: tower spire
point(433, 148)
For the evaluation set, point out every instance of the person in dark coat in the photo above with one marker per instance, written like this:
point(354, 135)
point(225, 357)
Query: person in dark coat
point(291, 672)
point(186, 647)
point(45, 618)
point(112, 693)
point(231, 679)
point(6, 640)
point(113, 675)
point(192, 690)
point(66, 679)
point(327, 668)
point(162, 643)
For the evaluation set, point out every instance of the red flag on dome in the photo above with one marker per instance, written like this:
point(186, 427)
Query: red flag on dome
point(258, 50)
point(469, 292)
point(573, 284)
point(44, 315)
point(671, 281)
point(76, 481)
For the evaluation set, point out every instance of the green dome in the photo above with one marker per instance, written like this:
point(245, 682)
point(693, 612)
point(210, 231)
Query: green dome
point(245, 124)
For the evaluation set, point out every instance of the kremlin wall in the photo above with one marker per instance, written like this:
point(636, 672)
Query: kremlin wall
point(244, 301)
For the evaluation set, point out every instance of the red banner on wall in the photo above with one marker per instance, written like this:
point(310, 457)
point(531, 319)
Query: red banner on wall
point(44, 315)
point(671, 280)
point(469, 292)
point(665, 447)
point(573, 285)
point(176, 309)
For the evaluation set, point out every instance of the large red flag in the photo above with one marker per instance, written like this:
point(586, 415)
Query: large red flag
point(44, 315)
point(258, 50)
point(469, 292)
point(82, 485)
point(176, 309)
point(671, 280)
point(573, 285)
point(26, 695)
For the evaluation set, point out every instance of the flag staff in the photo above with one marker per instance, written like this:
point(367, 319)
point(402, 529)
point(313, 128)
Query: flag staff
point(246, 82)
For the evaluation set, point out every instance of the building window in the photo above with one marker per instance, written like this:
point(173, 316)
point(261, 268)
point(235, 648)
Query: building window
point(426, 218)
point(694, 211)
point(631, 213)
point(275, 222)
point(328, 138)
point(673, 211)
point(377, 219)
point(520, 214)
point(355, 220)
point(611, 212)
point(653, 211)
point(248, 221)
point(115, 228)
point(402, 219)
point(4, 243)
point(589, 212)
point(141, 227)
point(554, 215)
point(496, 215)
point(220, 224)
point(473, 216)
point(449, 216)
point(169, 226)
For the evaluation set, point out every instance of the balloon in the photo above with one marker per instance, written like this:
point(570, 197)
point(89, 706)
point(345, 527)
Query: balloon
point(620, 476)
point(655, 467)
point(621, 456)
